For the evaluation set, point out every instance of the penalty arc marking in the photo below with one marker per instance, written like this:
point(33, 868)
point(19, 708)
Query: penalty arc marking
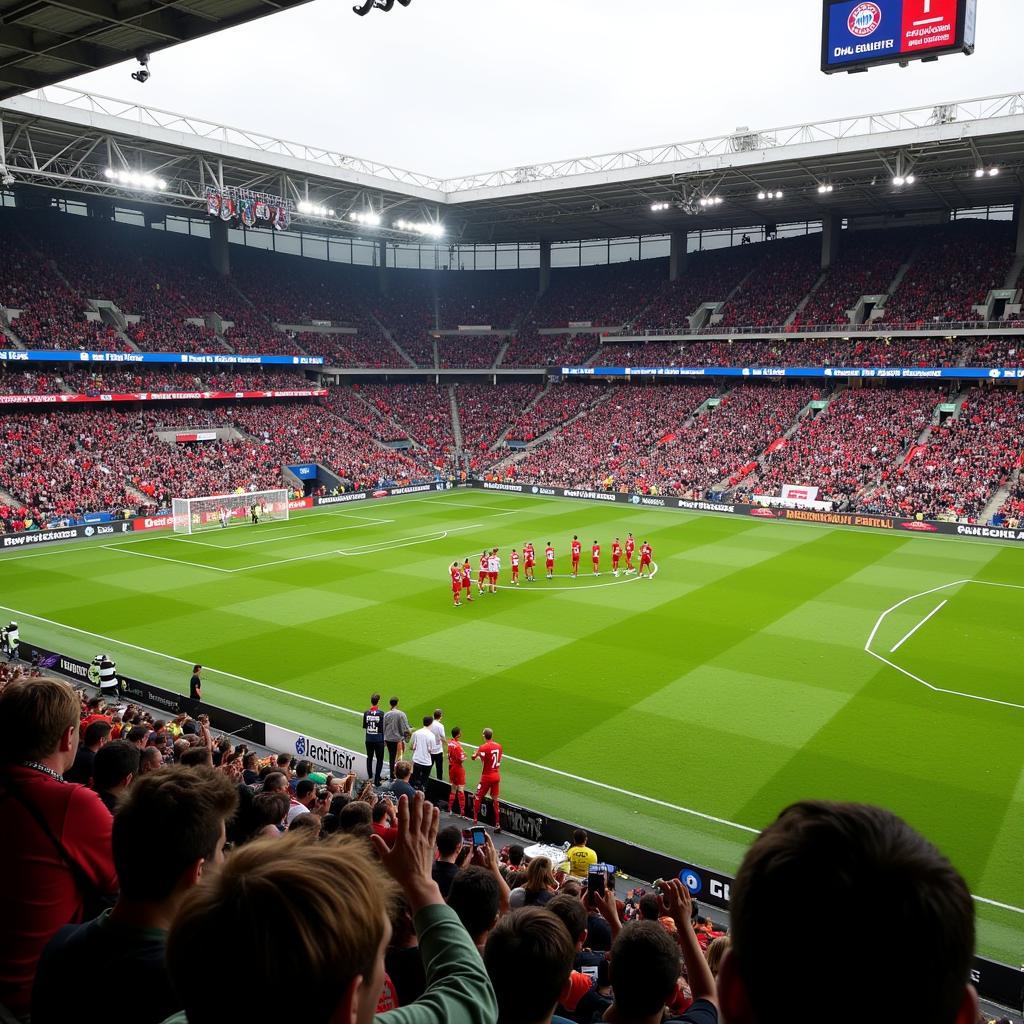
point(918, 679)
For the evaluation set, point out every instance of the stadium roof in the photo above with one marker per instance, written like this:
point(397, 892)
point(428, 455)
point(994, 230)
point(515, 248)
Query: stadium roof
point(46, 41)
point(67, 139)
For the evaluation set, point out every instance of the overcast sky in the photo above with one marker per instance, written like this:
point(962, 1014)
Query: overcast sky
point(451, 87)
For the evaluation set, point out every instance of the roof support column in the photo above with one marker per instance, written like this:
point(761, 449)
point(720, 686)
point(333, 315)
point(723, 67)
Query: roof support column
point(544, 282)
point(220, 255)
point(677, 255)
point(1018, 214)
point(382, 266)
point(831, 235)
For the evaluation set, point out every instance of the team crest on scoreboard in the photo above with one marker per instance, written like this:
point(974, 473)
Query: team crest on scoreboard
point(864, 19)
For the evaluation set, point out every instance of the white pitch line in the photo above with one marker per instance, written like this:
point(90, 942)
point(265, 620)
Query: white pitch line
point(517, 760)
point(164, 558)
point(918, 679)
point(375, 549)
point(284, 540)
point(938, 608)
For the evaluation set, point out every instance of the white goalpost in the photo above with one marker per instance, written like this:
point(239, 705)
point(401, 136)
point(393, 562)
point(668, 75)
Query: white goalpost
point(217, 511)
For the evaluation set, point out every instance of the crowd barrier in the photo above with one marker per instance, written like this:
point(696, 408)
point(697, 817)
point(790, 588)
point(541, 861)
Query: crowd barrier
point(864, 520)
point(995, 981)
point(165, 520)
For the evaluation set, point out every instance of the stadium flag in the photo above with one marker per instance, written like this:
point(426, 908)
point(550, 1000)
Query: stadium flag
point(799, 493)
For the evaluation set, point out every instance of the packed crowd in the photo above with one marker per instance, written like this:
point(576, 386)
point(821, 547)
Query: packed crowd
point(384, 915)
point(59, 465)
point(369, 349)
point(558, 404)
point(709, 276)
point(111, 379)
point(479, 352)
point(961, 465)
point(954, 269)
point(867, 264)
point(486, 412)
point(606, 296)
point(423, 410)
point(528, 348)
point(857, 440)
point(770, 294)
point(609, 447)
point(720, 446)
point(856, 351)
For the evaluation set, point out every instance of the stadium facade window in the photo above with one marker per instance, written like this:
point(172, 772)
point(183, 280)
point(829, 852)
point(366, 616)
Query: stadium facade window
point(364, 254)
point(984, 213)
point(529, 256)
point(506, 257)
point(339, 250)
point(133, 217)
point(566, 254)
point(655, 247)
point(624, 250)
point(314, 247)
point(483, 257)
point(256, 239)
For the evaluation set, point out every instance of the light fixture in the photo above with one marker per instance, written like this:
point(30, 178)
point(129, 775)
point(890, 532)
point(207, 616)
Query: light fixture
point(899, 181)
point(824, 188)
point(314, 209)
point(761, 195)
point(133, 179)
point(911, 179)
point(710, 201)
point(143, 75)
point(660, 207)
point(369, 218)
point(435, 229)
point(770, 194)
point(993, 171)
point(980, 172)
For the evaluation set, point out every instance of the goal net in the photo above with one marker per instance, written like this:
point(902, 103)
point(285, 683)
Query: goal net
point(217, 511)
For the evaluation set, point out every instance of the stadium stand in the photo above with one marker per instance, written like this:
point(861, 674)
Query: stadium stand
point(859, 438)
point(958, 468)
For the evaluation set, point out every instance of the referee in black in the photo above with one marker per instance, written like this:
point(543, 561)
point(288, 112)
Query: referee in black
point(195, 684)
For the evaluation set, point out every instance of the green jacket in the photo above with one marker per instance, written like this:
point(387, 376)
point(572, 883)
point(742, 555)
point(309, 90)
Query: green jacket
point(458, 989)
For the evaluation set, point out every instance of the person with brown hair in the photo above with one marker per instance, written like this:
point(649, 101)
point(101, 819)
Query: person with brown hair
point(322, 911)
point(62, 858)
point(168, 830)
point(822, 864)
point(540, 885)
point(529, 958)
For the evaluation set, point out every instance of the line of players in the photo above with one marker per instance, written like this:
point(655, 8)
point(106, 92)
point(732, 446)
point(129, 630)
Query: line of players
point(490, 566)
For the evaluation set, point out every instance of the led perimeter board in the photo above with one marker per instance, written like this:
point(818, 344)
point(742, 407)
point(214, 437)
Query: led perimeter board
point(860, 34)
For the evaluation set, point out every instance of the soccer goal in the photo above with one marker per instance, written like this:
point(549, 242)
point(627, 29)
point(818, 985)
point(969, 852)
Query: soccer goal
point(214, 512)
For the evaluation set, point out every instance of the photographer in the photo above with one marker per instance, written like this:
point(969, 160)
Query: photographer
point(109, 688)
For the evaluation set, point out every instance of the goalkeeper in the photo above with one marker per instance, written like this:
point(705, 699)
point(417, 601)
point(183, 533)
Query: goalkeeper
point(254, 511)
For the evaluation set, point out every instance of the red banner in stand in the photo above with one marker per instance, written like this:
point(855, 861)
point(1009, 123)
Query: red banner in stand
point(157, 396)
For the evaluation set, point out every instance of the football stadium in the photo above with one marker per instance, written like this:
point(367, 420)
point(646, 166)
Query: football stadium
point(594, 570)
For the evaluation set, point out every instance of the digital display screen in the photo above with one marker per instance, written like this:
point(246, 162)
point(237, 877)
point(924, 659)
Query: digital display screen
point(857, 34)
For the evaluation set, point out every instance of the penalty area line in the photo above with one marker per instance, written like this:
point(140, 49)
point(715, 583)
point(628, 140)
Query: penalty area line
point(351, 711)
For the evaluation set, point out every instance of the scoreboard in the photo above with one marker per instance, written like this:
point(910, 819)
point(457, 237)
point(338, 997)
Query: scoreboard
point(860, 34)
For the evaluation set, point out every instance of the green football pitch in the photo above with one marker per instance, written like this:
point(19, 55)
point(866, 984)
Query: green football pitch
point(764, 663)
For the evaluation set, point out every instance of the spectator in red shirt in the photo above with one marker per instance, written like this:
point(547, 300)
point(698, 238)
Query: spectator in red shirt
point(62, 859)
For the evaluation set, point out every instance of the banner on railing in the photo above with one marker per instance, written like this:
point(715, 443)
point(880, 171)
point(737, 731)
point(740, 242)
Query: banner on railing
point(43, 355)
point(860, 372)
point(157, 396)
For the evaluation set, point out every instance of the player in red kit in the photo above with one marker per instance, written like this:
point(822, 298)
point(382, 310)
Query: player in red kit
point(549, 560)
point(457, 772)
point(456, 575)
point(616, 556)
point(513, 560)
point(481, 579)
point(489, 753)
point(630, 545)
point(645, 557)
point(577, 548)
point(529, 557)
point(595, 557)
point(467, 580)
